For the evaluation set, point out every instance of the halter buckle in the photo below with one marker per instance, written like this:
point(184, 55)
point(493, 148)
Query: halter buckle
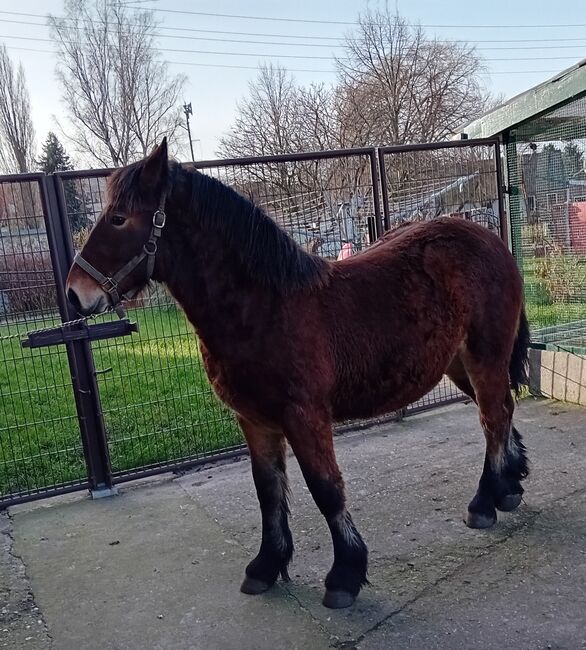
point(159, 218)
point(109, 285)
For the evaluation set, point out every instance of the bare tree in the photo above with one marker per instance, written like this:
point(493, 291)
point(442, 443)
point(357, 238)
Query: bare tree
point(119, 95)
point(397, 86)
point(279, 116)
point(17, 135)
point(265, 119)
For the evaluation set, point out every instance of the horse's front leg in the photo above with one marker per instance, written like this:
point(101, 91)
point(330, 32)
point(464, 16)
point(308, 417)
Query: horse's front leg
point(310, 436)
point(267, 453)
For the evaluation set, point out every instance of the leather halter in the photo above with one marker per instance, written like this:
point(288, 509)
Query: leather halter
point(110, 284)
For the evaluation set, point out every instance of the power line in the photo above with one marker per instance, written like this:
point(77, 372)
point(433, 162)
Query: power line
point(309, 21)
point(193, 38)
point(183, 29)
point(268, 55)
point(283, 44)
point(189, 63)
point(263, 34)
point(338, 22)
point(250, 67)
point(281, 20)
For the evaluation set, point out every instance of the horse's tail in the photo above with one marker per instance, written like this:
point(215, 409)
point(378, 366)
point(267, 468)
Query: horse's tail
point(519, 364)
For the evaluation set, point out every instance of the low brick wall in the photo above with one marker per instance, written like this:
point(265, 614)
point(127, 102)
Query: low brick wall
point(558, 375)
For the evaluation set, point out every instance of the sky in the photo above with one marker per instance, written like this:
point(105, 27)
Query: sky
point(523, 42)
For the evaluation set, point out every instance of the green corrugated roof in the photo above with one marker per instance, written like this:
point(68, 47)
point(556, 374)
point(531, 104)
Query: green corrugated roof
point(565, 86)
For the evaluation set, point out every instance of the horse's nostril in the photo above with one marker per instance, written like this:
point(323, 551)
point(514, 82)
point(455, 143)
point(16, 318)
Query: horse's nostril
point(73, 299)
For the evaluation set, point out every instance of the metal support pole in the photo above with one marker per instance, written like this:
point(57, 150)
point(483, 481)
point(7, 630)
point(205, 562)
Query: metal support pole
point(515, 197)
point(384, 189)
point(374, 174)
point(79, 354)
point(189, 111)
point(500, 181)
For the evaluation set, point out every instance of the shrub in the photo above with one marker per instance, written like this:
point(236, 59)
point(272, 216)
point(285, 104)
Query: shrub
point(27, 282)
point(561, 275)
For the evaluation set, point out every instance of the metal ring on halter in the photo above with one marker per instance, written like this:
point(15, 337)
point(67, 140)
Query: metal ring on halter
point(150, 251)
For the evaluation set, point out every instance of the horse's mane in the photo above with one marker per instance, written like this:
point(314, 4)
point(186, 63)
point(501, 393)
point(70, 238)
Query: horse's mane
point(269, 254)
point(266, 251)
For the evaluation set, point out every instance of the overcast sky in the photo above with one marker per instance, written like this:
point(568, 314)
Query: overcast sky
point(523, 41)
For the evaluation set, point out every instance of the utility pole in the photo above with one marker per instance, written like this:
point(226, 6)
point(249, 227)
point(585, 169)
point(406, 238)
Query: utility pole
point(189, 111)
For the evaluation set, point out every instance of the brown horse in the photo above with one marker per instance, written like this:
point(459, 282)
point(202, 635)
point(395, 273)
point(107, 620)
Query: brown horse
point(293, 343)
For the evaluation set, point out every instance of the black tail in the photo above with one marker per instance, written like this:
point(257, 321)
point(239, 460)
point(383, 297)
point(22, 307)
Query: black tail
point(518, 366)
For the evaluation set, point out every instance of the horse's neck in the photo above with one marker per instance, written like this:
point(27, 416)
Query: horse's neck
point(213, 289)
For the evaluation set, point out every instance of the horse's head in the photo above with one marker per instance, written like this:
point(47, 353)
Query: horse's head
point(118, 258)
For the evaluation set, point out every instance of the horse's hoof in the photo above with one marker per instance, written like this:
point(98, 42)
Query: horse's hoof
point(509, 502)
point(478, 520)
point(338, 599)
point(252, 586)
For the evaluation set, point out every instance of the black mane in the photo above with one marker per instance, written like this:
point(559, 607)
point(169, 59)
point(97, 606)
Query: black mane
point(266, 251)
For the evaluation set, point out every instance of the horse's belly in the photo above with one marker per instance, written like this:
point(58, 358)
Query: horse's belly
point(366, 400)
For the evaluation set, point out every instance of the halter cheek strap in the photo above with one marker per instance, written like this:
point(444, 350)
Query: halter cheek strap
point(110, 284)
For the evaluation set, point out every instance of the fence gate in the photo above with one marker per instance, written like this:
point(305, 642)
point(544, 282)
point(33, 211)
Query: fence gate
point(142, 404)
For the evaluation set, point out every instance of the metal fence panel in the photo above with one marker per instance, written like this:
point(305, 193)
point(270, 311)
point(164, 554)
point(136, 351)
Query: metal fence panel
point(460, 179)
point(546, 160)
point(159, 409)
point(40, 448)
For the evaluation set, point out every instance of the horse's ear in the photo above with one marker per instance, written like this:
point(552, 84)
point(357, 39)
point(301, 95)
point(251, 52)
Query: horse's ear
point(156, 165)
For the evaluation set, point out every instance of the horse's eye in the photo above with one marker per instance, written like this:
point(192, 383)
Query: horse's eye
point(117, 220)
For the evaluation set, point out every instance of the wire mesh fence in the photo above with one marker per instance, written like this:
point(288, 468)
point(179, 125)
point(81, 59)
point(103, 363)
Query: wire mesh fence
point(459, 180)
point(328, 203)
point(40, 446)
point(144, 403)
point(547, 178)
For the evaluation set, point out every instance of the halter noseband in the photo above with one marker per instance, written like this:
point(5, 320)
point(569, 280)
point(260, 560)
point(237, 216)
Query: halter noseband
point(110, 283)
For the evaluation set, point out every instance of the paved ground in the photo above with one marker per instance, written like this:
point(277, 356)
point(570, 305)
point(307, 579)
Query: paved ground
point(159, 566)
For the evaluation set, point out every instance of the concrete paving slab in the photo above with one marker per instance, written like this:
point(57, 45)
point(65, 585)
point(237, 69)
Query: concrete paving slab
point(21, 621)
point(408, 485)
point(160, 565)
point(149, 569)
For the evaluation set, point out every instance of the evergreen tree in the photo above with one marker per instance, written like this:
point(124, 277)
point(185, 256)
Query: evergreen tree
point(55, 159)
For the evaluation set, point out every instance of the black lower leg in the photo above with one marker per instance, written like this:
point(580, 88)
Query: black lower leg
point(348, 572)
point(276, 547)
point(500, 484)
point(515, 468)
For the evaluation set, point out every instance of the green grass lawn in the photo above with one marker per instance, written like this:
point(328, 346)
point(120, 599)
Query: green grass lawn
point(542, 311)
point(156, 400)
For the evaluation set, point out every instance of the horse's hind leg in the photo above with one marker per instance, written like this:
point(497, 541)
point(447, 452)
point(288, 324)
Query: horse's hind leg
point(457, 373)
point(267, 454)
point(310, 436)
point(505, 464)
